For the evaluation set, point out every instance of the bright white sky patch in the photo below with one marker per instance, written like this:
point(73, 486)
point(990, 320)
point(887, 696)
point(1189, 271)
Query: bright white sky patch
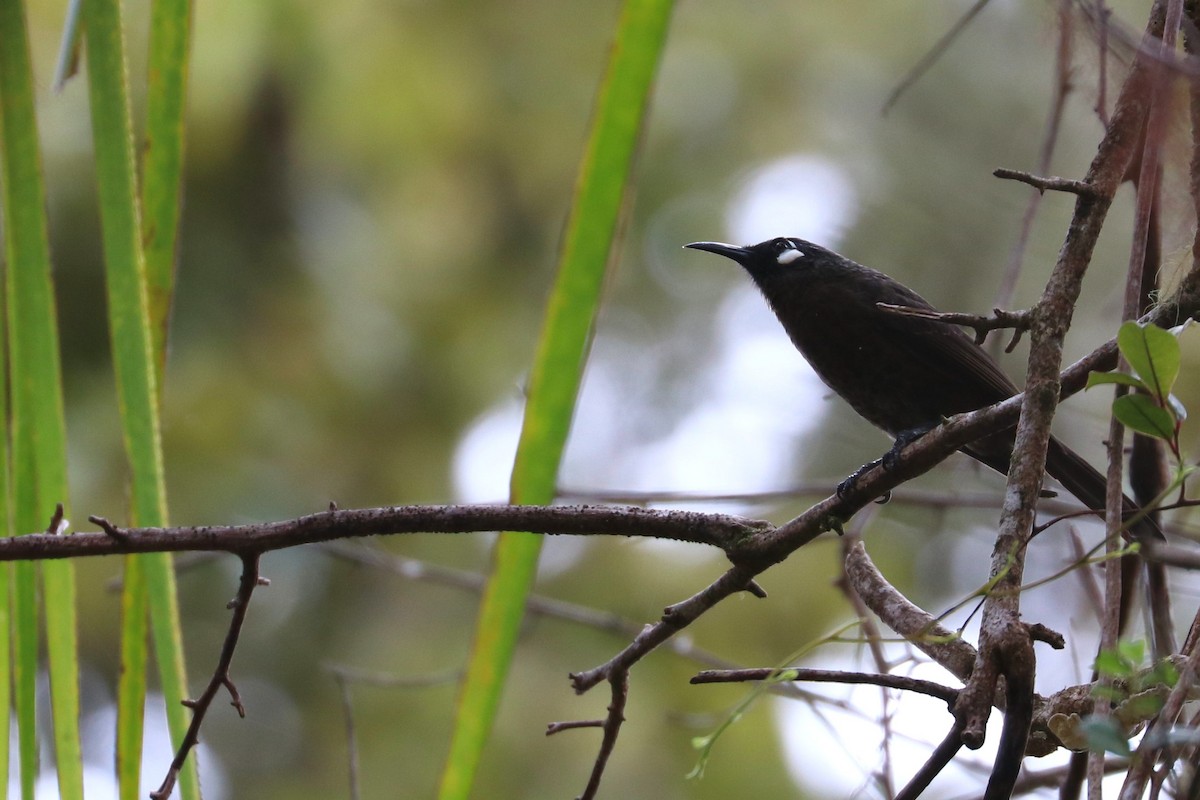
point(483, 460)
point(799, 195)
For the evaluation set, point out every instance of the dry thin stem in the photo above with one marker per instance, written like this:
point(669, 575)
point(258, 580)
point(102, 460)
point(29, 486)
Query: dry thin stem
point(351, 735)
point(1017, 320)
point(1062, 88)
point(887, 681)
point(220, 677)
point(937, 761)
point(1082, 188)
point(619, 682)
point(935, 52)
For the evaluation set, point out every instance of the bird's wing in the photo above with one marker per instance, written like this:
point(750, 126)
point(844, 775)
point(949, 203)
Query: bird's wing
point(941, 343)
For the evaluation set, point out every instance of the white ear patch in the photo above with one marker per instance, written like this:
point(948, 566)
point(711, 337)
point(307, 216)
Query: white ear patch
point(788, 256)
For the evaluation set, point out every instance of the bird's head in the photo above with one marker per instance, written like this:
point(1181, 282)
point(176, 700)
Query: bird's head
point(773, 256)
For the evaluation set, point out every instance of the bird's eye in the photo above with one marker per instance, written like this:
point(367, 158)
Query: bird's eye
point(787, 252)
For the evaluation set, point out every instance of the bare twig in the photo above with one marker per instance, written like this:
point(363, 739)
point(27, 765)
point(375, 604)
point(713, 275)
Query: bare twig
point(1082, 188)
point(1062, 88)
point(58, 523)
point(935, 52)
point(933, 766)
point(220, 677)
point(619, 681)
point(902, 682)
point(351, 735)
point(1017, 320)
point(558, 727)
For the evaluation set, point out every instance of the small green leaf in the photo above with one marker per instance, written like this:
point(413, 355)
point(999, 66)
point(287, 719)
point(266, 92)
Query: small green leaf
point(1113, 665)
point(1139, 412)
point(1153, 353)
point(1110, 693)
point(1105, 735)
point(1133, 651)
point(1142, 706)
point(1099, 378)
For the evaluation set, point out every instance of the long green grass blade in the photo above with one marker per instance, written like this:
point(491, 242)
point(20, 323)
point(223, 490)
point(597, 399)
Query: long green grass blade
point(137, 378)
point(25, 662)
point(558, 367)
point(37, 421)
point(153, 576)
point(162, 159)
point(131, 687)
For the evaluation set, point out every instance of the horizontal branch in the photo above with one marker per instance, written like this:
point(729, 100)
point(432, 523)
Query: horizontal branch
point(754, 543)
point(719, 530)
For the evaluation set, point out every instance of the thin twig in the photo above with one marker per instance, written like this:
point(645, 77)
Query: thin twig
point(1082, 188)
point(619, 681)
point(933, 766)
point(1062, 88)
point(903, 682)
point(351, 735)
point(1017, 320)
point(558, 727)
point(931, 57)
point(250, 580)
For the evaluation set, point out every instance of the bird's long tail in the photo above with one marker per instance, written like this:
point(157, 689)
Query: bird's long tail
point(1083, 481)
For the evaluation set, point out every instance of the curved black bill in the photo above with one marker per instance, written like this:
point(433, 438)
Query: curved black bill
point(738, 254)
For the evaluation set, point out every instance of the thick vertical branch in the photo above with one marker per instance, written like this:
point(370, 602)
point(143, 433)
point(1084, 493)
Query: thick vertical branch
point(1005, 648)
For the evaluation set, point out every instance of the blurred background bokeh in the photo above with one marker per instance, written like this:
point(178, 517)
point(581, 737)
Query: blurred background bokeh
point(374, 196)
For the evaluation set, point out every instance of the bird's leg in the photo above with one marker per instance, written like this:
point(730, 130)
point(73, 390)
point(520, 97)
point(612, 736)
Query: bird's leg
point(903, 439)
point(847, 485)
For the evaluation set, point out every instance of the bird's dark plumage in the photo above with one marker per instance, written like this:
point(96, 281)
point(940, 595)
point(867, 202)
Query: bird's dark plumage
point(902, 373)
point(905, 374)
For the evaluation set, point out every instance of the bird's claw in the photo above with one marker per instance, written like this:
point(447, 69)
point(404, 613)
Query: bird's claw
point(847, 486)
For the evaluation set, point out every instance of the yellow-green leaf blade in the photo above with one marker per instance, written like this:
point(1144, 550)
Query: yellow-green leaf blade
point(1139, 412)
point(132, 340)
point(1153, 353)
point(153, 576)
point(36, 418)
point(558, 365)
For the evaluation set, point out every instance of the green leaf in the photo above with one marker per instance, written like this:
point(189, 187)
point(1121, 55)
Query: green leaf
point(150, 579)
point(1133, 651)
point(35, 423)
point(588, 245)
point(136, 369)
point(1105, 735)
point(1142, 706)
point(1110, 693)
point(1099, 378)
point(1153, 353)
point(1140, 413)
point(1113, 665)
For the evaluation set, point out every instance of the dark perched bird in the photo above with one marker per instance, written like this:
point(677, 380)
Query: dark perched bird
point(902, 373)
point(905, 374)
